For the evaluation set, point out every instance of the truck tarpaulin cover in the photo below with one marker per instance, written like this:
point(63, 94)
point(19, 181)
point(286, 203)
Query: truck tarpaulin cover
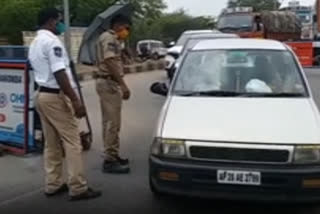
point(281, 22)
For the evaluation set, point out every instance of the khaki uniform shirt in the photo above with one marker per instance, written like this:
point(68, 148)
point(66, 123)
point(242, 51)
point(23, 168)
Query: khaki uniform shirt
point(109, 48)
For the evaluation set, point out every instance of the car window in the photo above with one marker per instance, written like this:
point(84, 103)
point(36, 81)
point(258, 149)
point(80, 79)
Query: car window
point(185, 37)
point(235, 22)
point(193, 41)
point(182, 40)
point(155, 45)
point(143, 47)
point(190, 43)
point(241, 71)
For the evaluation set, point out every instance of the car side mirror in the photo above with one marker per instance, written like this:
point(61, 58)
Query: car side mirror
point(159, 89)
point(174, 54)
point(171, 44)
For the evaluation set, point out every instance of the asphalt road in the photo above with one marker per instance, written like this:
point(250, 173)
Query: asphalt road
point(21, 179)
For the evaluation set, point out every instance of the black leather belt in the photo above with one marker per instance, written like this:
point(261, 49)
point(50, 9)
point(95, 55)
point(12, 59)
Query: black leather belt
point(106, 77)
point(49, 90)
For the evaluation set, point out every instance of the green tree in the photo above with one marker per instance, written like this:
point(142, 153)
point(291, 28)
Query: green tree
point(258, 5)
point(21, 15)
point(168, 27)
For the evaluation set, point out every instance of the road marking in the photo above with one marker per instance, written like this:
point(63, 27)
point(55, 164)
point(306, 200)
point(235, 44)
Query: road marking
point(6, 202)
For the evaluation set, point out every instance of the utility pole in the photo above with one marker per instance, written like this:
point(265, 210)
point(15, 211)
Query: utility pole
point(67, 34)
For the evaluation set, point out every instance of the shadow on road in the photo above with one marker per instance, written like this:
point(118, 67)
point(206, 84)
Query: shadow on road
point(196, 205)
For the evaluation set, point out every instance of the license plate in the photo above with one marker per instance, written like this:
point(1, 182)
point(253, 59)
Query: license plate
point(239, 177)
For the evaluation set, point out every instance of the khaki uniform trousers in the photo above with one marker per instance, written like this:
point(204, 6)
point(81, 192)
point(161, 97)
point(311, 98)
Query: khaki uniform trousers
point(111, 103)
point(62, 136)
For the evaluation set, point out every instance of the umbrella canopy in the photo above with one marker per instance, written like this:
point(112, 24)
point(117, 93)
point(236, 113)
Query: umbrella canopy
point(101, 23)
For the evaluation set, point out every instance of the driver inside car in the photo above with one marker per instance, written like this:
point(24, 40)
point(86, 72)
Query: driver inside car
point(265, 71)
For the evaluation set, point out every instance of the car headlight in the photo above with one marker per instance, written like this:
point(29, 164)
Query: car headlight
point(307, 154)
point(168, 148)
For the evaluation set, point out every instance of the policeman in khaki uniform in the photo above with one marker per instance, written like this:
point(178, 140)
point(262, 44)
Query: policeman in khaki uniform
point(112, 89)
point(59, 107)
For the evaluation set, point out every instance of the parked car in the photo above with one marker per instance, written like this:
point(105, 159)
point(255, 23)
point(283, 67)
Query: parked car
point(176, 48)
point(151, 49)
point(239, 122)
point(191, 42)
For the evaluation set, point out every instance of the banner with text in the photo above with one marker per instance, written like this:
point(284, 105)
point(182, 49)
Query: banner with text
point(12, 107)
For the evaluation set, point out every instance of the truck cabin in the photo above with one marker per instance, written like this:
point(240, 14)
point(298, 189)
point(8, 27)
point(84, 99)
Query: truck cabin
point(241, 21)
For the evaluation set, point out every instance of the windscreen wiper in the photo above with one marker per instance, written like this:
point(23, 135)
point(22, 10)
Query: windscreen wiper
point(229, 28)
point(210, 93)
point(284, 94)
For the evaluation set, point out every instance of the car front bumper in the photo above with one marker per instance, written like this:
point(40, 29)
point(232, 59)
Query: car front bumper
point(199, 179)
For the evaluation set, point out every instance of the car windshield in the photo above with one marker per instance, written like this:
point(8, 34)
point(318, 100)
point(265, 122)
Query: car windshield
point(185, 37)
point(143, 46)
point(304, 17)
point(193, 41)
point(155, 45)
point(240, 73)
point(235, 22)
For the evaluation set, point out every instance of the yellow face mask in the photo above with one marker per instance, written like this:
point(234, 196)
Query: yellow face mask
point(123, 34)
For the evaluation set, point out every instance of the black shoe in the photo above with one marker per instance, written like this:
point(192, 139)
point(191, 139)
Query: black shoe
point(63, 189)
point(116, 167)
point(89, 194)
point(122, 161)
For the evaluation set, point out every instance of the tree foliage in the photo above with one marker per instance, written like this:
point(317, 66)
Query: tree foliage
point(149, 20)
point(21, 15)
point(168, 27)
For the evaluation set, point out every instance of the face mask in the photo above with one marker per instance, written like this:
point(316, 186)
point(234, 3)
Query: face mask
point(60, 28)
point(123, 34)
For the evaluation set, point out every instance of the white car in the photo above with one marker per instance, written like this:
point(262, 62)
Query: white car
point(239, 123)
point(192, 41)
point(174, 52)
point(151, 48)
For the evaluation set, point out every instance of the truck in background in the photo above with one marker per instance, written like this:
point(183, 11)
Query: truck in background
point(305, 10)
point(284, 25)
point(277, 25)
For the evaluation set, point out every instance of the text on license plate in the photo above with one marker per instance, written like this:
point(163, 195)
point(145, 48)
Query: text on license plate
point(239, 177)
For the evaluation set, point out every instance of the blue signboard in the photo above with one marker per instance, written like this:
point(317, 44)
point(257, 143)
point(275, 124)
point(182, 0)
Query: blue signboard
point(16, 106)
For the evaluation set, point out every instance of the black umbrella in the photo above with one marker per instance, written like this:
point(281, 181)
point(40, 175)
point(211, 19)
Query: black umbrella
point(101, 23)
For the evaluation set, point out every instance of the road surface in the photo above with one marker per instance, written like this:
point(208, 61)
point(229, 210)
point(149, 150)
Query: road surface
point(21, 179)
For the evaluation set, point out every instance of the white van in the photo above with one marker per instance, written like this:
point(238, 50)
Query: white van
point(151, 49)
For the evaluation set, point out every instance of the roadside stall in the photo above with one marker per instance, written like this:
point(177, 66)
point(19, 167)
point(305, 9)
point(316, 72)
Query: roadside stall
point(17, 124)
point(20, 126)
